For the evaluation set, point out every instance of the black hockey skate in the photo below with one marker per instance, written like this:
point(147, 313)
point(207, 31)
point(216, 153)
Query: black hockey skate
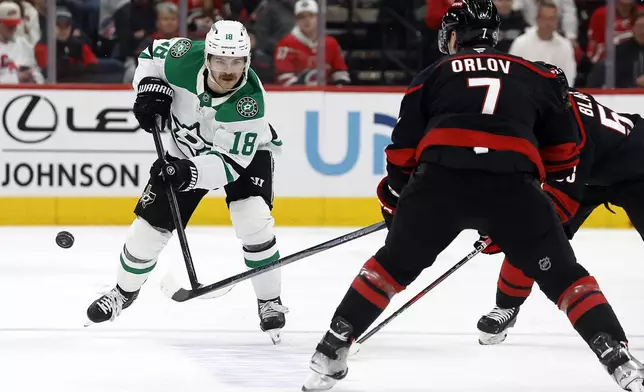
point(272, 317)
point(494, 325)
point(110, 305)
point(329, 362)
point(627, 371)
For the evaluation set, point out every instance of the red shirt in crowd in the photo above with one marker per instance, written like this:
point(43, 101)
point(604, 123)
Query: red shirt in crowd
point(597, 32)
point(296, 60)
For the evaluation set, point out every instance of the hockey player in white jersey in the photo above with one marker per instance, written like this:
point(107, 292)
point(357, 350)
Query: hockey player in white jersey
point(212, 103)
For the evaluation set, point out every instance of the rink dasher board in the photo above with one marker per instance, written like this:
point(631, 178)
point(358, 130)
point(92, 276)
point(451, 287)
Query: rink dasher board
point(78, 156)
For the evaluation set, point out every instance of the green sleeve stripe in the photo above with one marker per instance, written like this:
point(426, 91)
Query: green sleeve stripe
point(145, 56)
point(229, 176)
point(277, 142)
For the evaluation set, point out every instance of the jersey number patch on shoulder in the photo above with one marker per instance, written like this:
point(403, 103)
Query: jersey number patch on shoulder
point(491, 96)
point(161, 51)
point(247, 147)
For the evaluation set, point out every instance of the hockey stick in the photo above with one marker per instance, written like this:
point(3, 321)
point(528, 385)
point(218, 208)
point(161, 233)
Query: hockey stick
point(180, 294)
point(355, 347)
point(176, 214)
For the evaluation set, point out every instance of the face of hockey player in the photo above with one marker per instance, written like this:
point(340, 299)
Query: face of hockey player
point(452, 43)
point(227, 71)
point(308, 23)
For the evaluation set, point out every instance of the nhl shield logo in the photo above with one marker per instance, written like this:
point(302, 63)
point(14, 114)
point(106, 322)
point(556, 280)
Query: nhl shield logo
point(180, 48)
point(545, 264)
point(247, 107)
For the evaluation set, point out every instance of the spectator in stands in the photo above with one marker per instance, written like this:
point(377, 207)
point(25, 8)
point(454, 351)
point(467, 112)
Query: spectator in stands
point(30, 27)
point(295, 56)
point(74, 58)
point(261, 62)
point(143, 20)
point(625, 12)
point(17, 60)
point(116, 38)
point(275, 21)
point(543, 43)
point(629, 61)
point(568, 21)
point(167, 24)
point(512, 24)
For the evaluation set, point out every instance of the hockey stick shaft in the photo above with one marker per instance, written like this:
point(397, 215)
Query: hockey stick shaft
point(176, 213)
point(182, 295)
point(426, 290)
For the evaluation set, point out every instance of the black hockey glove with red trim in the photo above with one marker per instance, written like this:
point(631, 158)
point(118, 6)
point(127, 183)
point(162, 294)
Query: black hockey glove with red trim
point(181, 174)
point(388, 199)
point(491, 249)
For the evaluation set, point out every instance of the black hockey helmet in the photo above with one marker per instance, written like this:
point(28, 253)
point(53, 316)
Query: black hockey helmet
point(562, 81)
point(476, 22)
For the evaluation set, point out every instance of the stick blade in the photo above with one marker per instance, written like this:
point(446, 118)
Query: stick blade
point(173, 290)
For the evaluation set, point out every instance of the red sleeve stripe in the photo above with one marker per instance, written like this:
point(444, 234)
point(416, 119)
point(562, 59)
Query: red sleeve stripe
point(571, 206)
point(562, 167)
point(401, 157)
point(560, 153)
point(515, 276)
point(412, 89)
point(469, 138)
point(371, 295)
point(525, 63)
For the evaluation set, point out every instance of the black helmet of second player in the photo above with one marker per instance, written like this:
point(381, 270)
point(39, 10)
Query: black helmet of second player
point(476, 22)
point(561, 78)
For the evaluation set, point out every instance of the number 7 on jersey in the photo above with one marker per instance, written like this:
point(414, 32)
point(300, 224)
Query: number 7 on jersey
point(491, 96)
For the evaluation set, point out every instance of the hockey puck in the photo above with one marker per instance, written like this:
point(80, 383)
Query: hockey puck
point(64, 239)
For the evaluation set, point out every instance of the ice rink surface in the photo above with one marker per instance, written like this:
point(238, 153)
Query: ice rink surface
point(215, 345)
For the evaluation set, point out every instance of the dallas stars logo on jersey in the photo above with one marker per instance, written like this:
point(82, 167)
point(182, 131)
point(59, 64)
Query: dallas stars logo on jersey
point(180, 48)
point(247, 107)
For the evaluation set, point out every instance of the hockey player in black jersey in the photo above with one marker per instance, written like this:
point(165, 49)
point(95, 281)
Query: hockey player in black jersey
point(610, 170)
point(478, 132)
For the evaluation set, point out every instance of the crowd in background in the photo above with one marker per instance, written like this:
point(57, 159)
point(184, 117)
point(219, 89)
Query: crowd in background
point(99, 41)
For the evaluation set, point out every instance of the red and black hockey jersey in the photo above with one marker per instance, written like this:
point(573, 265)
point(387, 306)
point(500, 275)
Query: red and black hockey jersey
point(611, 151)
point(481, 109)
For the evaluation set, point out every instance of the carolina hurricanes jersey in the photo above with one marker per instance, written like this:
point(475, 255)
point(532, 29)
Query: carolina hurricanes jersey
point(296, 60)
point(14, 54)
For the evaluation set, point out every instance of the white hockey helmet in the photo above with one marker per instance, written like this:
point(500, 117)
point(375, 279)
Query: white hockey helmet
point(228, 38)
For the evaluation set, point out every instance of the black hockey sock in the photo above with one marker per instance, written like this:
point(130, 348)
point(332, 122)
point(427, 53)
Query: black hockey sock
point(600, 319)
point(513, 287)
point(358, 311)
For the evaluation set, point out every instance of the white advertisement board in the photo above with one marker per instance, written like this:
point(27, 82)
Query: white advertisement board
point(88, 143)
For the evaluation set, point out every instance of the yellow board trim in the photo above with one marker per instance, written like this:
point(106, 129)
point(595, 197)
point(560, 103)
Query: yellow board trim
point(288, 211)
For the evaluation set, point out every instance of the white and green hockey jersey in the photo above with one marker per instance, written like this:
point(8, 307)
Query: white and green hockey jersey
point(219, 134)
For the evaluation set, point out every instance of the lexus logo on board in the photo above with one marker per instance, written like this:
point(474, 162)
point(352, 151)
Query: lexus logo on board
point(24, 127)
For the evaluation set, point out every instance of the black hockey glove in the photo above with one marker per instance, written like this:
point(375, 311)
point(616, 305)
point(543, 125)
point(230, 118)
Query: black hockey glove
point(491, 249)
point(181, 174)
point(388, 199)
point(153, 98)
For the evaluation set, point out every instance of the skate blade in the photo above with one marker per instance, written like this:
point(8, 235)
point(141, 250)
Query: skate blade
point(318, 382)
point(355, 348)
point(275, 335)
point(490, 339)
point(88, 323)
